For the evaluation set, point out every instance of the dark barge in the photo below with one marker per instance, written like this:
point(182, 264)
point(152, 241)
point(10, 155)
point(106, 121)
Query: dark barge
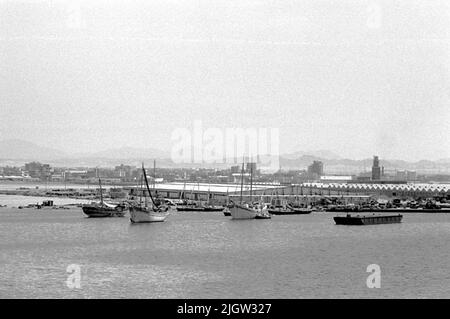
point(367, 219)
point(387, 210)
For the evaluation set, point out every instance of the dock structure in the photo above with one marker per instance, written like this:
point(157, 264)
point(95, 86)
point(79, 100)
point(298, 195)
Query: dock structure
point(373, 189)
point(201, 191)
point(220, 192)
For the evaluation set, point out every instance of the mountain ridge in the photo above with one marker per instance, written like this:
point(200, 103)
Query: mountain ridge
point(15, 149)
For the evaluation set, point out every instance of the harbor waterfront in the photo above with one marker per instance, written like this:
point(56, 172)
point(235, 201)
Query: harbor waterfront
point(207, 255)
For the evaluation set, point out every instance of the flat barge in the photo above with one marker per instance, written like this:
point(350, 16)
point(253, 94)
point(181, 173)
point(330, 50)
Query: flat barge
point(389, 210)
point(367, 219)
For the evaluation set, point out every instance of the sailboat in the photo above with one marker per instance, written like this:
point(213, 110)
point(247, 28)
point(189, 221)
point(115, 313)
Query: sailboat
point(103, 209)
point(148, 213)
point(189, 205)
point(209, 207)
point(241, 210)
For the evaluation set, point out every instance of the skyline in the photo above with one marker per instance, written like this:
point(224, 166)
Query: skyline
point(38, 152)
point(358, 78)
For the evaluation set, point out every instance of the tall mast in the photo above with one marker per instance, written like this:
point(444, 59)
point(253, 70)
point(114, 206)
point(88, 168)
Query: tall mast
point(101, 192)
point(251, 182)
point(242, 179)
point(209, 192)
point(148, 188)
point(182, 196)
point(140, 191)
point(154, 173)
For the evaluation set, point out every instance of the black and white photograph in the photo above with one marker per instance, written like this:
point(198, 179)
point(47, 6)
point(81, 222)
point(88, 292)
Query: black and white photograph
point(217, 150)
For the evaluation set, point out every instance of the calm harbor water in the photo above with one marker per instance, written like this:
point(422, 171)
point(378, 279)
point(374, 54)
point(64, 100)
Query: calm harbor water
point(207, 255)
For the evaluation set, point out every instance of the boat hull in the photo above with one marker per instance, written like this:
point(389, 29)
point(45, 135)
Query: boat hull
point(293, 211)
point(263, 216)
point(390, 210)
point(190, 209)
point(142, 215)
point(213, 209)
point(100, 212)
point(368, 220)
point(240, 212)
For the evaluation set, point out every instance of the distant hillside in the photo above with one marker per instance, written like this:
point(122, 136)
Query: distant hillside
point(324, 154)
point(18, 149)
point(125, 153)
point(16, 152)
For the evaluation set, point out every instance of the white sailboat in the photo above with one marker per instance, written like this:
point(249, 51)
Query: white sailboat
point(148, 213)
point(242, 210)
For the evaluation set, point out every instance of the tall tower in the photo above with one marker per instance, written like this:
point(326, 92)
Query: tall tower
point(376, 169)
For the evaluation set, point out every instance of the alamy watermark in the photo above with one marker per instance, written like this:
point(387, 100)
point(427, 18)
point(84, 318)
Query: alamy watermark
point(200, 145)
point(74, 279)
point(374, 16)
point(374, 279)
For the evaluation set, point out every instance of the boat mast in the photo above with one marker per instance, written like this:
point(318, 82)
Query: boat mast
point(242, 179)
point(101, 192)
point(141, 191)
point(251, 182)
point(154, 174)
point(148, 188)
point(209, 193)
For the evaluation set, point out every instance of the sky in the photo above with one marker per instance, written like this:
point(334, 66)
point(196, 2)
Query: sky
point(358, 78)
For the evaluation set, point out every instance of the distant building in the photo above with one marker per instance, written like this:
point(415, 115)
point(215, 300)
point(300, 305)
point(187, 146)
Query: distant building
point(251, 166)
point(376, 169)
point(235, 169)
point(404, 175)
point(124, 172)
point(38, 170)
point(316, 168)
point(411, 176)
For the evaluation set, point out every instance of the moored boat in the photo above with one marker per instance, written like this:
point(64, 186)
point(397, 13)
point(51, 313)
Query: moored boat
point(300, 210)
point(242, 211)
point(367, 219)
point(148, 213)
point(103, 209)
point(189, 206)
point(282, 207)
point(213, 208)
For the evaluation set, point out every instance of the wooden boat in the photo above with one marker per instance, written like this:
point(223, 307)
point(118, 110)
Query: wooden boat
point(367, 219)
point(212, 208)
point(155, 212)
point(103, 209)
point(241, 210)
point(148, 214)
point(262, 216)
point(281, 207)
point(189, 206)
point(209, 207)
point(300, 210)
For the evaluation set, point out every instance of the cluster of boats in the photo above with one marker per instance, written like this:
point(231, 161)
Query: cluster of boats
point(140, 211)
point(148, 209)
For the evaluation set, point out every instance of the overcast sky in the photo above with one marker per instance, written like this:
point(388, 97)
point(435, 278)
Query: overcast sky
point(355, 77)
